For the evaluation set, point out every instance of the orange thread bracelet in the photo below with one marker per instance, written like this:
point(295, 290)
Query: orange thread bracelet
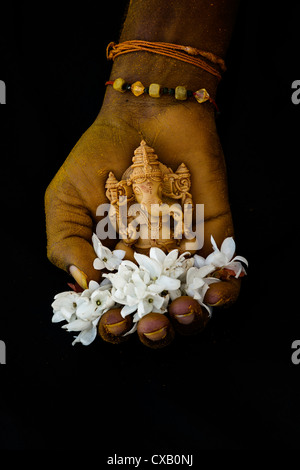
point(184, 53)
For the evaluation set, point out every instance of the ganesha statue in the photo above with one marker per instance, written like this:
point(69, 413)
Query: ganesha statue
point(152, 206)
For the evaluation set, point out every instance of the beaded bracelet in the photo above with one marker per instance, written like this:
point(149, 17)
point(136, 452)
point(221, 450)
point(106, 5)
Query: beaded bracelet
point(156, 91)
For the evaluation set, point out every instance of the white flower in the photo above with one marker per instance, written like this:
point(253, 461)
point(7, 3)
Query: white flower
point(88, 314)
point(150, 302)
point(93, 285)
point(223, 258)
point(159, 281)
point(94, 306)
point(171, 265)
point(83, 311)
point(121, 281)
point(106, 258)
point(197, 283)
point(143, 288)
point(149, 286)
point(64, 306)
point(132, 288)
point(88, 330)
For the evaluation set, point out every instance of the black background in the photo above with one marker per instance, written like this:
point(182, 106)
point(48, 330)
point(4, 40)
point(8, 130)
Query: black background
point(233, 387)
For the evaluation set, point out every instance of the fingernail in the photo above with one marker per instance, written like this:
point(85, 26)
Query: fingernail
point(116, 328)
point(79, 276)
point(186, 318)
point(158, 334)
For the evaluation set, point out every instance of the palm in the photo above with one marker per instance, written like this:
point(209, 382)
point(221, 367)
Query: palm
point(178, 135)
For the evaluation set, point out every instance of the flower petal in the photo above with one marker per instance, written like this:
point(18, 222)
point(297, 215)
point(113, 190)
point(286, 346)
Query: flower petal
point(93, 285)
point(144, 307)
point(158, 301)
point(118, 295)
point(67, 294)
point(120, 283)
point(168, 283)
point(157, 254)
point(214, 245)
point(104, 283)
point(119, 253)
point(138, 282)
point(57, 317)
point(112, 263)
point(132, 330)
point(98, 264)
point(199, 261)
point(170, 258)
point(77, 325)
point(211, 280)
point(228, 248)
point(155, 288)
point(151, 265)
point(175, 293)
point(217, 258)
point(197, 283)
point(127, 310)
point(205, 270)
point(208, 308)
point(191, 274)
point(67, 313)
point(240, 258)
point(96, 244)
point(86, 337)
point(129, 264)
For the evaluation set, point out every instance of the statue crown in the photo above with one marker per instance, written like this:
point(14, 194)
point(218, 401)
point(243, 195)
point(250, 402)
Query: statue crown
point(145, 164)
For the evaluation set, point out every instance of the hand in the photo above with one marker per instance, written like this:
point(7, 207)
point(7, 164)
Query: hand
point(179, 132)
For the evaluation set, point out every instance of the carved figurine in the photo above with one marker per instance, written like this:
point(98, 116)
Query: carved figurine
point(151, 206)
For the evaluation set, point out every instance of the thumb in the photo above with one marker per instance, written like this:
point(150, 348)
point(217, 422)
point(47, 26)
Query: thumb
point(76, 256)
point(69, 229)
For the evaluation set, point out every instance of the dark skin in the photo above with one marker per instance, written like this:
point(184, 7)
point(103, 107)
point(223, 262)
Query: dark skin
point(178, 131)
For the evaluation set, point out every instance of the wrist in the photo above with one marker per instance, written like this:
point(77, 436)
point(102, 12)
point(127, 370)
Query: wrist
point(202, 25)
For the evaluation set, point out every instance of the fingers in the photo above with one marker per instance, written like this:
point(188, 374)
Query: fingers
point(185, 316)
point(188, 317)
point(223, 293)
point(155, 330)
point(112, 326)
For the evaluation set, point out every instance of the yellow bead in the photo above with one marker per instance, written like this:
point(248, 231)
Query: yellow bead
point(201, 95)
point(180, 93)
point(118, 85)
point(154, 90)
point(137, 88)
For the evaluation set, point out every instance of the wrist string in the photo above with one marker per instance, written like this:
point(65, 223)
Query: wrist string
point(186, 54)
point(156, 91)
